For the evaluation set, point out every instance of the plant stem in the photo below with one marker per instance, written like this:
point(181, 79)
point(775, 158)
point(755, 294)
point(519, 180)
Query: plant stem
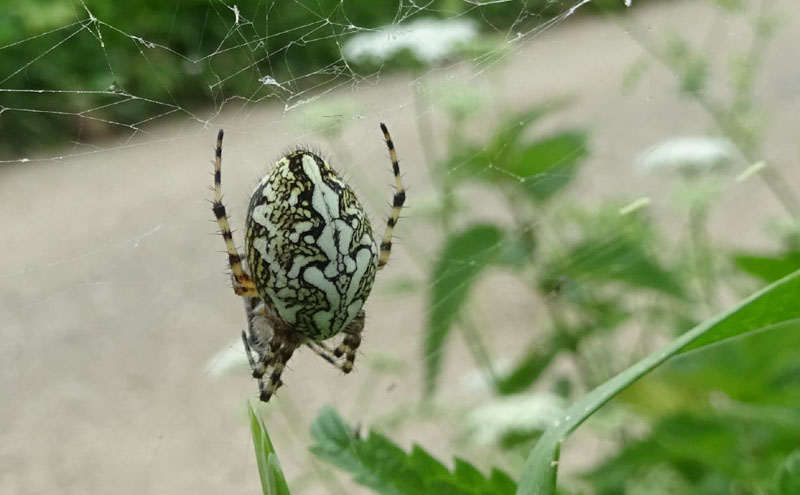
point(704, 264)
point(478, 349)
point(725, 119)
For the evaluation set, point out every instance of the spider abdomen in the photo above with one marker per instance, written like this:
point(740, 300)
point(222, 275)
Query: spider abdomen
point(309, 246)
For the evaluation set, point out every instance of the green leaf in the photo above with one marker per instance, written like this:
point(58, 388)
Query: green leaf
point(616, 258)
point(377, 463)
point(489, 163)
point(549, 165)
point(507, 139)
point(269, 469)
point(736, 439)
point(469, 163)
point(787, 479)
point(464, 257)
point(518, 249)
point(527, 370)
point(768, 268)
point(690, 67)
point(775, 305)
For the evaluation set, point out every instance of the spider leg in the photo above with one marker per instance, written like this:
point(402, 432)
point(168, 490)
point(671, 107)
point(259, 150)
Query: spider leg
point(280, 356)
point(397, 201)
point(349, 346)
point(322, 345)
point(257, 337)
point(322, 351)
point(248, 352)
point(243, 285)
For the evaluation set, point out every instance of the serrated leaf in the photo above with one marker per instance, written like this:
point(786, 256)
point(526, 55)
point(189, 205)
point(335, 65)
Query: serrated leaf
point(773, 306)
point(500, 482)
point(336, 444)
point(426, 464)
point(467, 475)
point(273, 481)
point(464, 256)
point(377, 463)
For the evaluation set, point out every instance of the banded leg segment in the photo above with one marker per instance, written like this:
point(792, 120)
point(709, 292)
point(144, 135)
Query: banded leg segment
point(397, 202)
point(322, 351)
point(280, 356)
point(242, 283)
point(349, 346)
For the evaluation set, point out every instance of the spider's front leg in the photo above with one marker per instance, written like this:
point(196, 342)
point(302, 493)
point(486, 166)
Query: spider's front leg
point(352, 339)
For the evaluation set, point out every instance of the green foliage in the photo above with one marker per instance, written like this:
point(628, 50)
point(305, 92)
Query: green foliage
point(465, 255)
point(269, 469)
point(690, 66)
point(130, 64)
point(549, 165)
point(505, 157)
point(768, 308)
point(608, 257)
point(107, 67)
point(768, 268)
point(379, 464)
point(721, 421)
point(538, 168)
point(528, 369)
point(787, 478)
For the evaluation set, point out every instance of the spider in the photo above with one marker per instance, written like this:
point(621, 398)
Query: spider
point(312, 258)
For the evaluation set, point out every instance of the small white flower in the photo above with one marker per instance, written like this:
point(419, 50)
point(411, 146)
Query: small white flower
point(516, 413)
point(430, 41)
point(691, 155)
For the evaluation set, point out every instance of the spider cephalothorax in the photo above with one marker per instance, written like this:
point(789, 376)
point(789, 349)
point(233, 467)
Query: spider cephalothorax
point(312, 258)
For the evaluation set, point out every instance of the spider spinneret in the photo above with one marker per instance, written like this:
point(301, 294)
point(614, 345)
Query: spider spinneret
point(312, 258)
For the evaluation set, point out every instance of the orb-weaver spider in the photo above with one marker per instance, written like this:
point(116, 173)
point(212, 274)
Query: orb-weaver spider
point(312, 259)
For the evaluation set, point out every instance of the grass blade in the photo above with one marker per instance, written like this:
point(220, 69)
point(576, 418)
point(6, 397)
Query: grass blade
point(777, 304)
point(269, 469)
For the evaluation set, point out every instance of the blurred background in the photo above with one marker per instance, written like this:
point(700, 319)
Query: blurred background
point(586, 180)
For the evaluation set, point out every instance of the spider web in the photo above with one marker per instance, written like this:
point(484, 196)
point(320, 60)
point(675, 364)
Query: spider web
point(117, 324)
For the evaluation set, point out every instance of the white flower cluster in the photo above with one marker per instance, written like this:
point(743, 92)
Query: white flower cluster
point(429, 40)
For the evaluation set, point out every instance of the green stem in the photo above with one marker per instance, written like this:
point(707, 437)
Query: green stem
point(478, 349)
point(424, 126)
point(726, 122)
point(704, 264)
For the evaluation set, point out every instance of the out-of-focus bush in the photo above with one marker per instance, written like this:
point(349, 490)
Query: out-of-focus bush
point(75, 71)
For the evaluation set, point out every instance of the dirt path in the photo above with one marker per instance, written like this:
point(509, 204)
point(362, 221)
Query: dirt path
point(113, 294)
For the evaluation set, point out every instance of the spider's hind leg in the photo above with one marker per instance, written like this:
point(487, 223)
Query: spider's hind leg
point(322, 351)
point(280, 356)
point(349, 346)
